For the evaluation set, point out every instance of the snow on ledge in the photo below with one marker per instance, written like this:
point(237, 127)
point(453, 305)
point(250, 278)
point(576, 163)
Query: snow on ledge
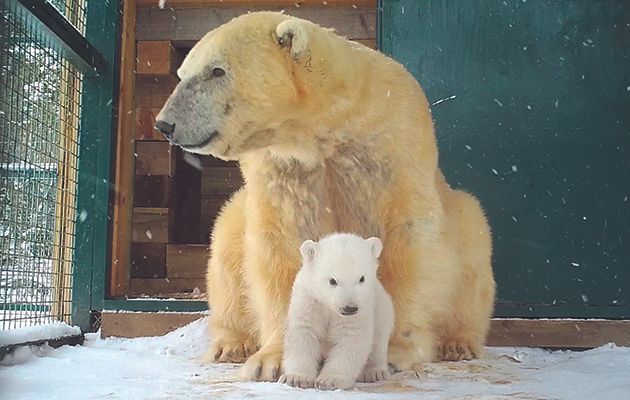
point(36, 333)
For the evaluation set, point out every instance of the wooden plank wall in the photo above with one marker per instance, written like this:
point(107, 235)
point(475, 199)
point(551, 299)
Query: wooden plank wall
point(177, 196)
point(555, 333)
point(123, 174)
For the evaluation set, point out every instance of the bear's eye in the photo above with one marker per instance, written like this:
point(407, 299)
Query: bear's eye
point(218, 72)
point(362, 279)
point(332, 282)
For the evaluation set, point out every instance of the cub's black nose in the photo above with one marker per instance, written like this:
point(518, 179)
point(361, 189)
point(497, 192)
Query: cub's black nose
point(165, 128)
point(349, 310)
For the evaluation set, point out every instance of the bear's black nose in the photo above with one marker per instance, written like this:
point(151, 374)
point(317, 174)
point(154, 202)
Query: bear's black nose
point(165, 128)
point(349, 310)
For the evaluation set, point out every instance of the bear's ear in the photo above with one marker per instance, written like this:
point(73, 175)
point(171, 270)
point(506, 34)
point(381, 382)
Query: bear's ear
point(292, 34)
point(376, 246)
point(308, 250)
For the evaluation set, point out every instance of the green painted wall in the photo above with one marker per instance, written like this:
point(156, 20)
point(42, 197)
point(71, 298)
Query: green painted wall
point(532, 112)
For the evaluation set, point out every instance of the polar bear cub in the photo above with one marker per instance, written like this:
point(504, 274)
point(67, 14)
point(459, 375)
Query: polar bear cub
point(340, 316)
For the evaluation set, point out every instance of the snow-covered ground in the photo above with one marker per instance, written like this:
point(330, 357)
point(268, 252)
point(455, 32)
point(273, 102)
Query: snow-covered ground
point(169, 367)
point(54, 330)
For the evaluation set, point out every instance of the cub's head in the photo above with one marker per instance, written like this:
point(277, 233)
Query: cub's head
point(240, 88)
point(341, 270)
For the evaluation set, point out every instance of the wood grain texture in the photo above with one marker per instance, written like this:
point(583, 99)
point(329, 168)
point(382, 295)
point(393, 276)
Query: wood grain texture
point(145, 123)
point(558, 333)
point(151, 225)
point(152, 191)
point(124, 158)
point(154, 158)
point(168, 287)
point(153, 91)
point(156, 57)
point(148, 260)
point(220, 180)
point(547, 333)
point(139, 324)
point(193, 24)
point(187, 261)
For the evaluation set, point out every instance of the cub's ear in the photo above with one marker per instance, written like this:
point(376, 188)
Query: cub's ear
point(308, 250)
point(292, 34)
point(376, 245)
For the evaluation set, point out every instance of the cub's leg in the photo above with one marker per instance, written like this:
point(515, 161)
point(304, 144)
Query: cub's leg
point(306, 328)
point(376, 368)
point(347, 357)
point(232, 328)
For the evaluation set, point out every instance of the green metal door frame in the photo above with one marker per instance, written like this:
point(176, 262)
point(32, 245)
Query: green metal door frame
point(95, 184)
point(94, 176)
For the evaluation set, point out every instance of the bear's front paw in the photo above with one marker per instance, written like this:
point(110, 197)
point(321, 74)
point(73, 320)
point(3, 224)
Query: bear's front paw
point(231, 350)
point(332, 382)
point(457, 350)
point(263, 366)
point(374, 374)
point(297, 380)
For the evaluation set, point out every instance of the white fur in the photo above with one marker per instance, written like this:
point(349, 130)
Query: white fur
point(351, 347)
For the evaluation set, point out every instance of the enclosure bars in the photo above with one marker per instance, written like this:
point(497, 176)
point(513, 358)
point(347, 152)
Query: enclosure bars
point(94, 55)
point(67, 39)
point(40, 104)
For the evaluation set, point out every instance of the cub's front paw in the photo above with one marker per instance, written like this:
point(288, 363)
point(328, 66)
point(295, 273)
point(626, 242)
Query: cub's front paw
point(297, 380)
point(374, 374)
point(332, 382)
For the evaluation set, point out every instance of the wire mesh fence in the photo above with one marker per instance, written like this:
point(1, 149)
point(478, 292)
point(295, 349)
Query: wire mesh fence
point(73, 10)
point(40, 105)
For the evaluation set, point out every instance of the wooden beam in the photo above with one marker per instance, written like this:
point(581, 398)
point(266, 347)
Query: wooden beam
point(257, 3)
point(186, 260)
point(152, 191)
point(138, 324)
point(154, 158)
point(124, 167)
point(148, 260)
point(157, 57)
point(503, 332)
point(145, 123)
point(220, 180)
point(168, 287)
point(558, 333)
point(150, 225)
point(193, 24)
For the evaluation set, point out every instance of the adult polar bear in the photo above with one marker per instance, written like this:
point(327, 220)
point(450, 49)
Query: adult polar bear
point(330, 136)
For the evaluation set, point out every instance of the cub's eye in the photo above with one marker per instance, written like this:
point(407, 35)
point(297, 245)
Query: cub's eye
point(332, 282)
point(362, 279)
point(218, 72)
